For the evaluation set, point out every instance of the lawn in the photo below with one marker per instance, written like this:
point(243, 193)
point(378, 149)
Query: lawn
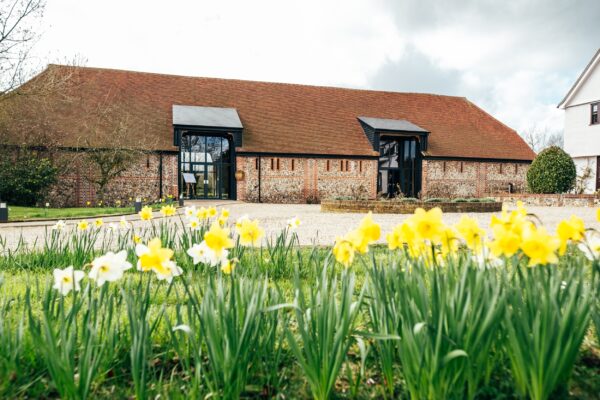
point(285, 321)
point(17, 213)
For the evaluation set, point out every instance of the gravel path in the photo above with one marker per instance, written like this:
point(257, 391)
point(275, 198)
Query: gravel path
point(317, 227)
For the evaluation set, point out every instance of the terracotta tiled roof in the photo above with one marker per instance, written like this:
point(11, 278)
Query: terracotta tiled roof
point(290, 118)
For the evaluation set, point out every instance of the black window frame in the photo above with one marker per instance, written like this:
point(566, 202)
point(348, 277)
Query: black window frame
point(594, 114)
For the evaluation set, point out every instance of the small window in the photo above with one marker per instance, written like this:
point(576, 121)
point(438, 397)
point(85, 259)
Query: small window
point(594, 119)
point(293, 164)
point(272, 164)
point(278, 164)
point(360, 166)
point(342, 165)
point(256, 163)
point(327, 165)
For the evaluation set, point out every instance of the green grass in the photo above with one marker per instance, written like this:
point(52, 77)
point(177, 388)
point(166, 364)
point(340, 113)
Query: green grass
point(18, 213)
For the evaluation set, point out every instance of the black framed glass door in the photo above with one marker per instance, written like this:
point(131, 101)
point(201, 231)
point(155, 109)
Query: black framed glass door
point(399, 166)
point(205, 164)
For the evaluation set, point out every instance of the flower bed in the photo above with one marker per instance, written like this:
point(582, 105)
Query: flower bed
point(406, 207)
point(549, 200)
point(208, 308)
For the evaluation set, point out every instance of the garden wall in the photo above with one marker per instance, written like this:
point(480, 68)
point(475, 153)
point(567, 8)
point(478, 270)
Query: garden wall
point(550, 200)
point(301, 180)
point(452, 178)
point(404, 207)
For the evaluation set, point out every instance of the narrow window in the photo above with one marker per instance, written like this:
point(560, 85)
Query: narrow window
point(342, 165)
point(256, 163)
point(147, 161)
point(516, 168)
point(461, 167)
point(272, 163)
point(500, 168)
point(360, 166)
point(347, 165)
point(444, 166)
point(594, 119)
point(327, 165)
point(278, 164)
point(293, 164)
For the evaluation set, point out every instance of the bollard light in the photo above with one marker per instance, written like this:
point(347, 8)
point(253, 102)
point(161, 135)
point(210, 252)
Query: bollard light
point(3, 212)
point(181, 200)
point(137, 206)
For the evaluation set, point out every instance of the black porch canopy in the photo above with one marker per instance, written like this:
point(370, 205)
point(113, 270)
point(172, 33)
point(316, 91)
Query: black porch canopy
point(376, 127)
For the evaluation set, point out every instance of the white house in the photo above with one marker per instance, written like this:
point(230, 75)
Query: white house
point(582, 124)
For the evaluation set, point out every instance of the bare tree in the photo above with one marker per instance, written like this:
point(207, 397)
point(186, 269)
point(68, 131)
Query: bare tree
point(541, 138)
point(17, 36)
point(109, 141)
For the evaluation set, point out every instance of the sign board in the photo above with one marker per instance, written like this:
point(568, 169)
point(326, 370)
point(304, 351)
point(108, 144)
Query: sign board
point(189, 178)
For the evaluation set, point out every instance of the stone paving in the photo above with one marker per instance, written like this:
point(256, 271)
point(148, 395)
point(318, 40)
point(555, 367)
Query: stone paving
point(319, 228)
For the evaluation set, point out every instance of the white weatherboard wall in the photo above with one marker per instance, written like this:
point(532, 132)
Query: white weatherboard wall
point(581, 138)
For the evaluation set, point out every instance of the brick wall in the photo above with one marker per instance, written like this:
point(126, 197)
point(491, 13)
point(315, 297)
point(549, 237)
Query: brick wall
point(298, 180)
point(142, 179)
point(471, 178)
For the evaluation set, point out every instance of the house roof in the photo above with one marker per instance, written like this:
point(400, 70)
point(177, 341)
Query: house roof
point(580, 80)
point(284, 118)
point(386, 124)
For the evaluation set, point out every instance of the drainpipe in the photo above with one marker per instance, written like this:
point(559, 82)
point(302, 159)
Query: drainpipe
point(259, 177)
point(160, 176)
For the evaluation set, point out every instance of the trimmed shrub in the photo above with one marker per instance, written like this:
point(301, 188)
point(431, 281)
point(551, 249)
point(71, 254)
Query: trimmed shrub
point(25, 176)
point(462, 200)
point(552, 171)
point(436, 200)
point(409, 200)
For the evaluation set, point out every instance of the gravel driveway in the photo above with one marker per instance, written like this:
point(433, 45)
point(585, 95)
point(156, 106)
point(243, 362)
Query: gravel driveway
point(317, 227)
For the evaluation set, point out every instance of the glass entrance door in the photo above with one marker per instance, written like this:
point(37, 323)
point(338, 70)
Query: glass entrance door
point(399, 165)
point(205, 167)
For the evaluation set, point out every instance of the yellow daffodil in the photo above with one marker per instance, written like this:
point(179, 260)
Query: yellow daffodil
point(450, 240)
point(598, 215)
point(137, 239)
point(224, 213)
point(98, 222)
point(212, 212)
point(572, 230)
point(343, 251)
point(168, 211)
point(154, 257)
point(471, 233)
point(227, 266)
point(194, 224)
point(358, 240)
point(370, 229)
point(146, 213)
point(540, 246)
point(506, 242)
point(222, 220)
point(83, 225)
point(428, 224)
point(202, 213)
point(250, 232)
point(217, 239)
point(401, 235)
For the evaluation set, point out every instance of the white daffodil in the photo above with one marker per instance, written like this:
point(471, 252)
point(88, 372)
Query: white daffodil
point(168, 270)
point(590, 247)
point(190, 212)
point(240, 220)
point(194, 224)
point(201, 253)
point(123, 224)
point(59, 225)
point(293, 223)
point(67, 279)
point(109, 267)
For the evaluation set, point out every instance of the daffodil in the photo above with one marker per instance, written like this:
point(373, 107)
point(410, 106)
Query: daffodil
point(598, 214)
point(67, 279)
point(540, 246)
point(590, 247)
point(168, 211)
point(227, 266)
point(83, 225)
point(217, 239)
point(250, 233)
point(137, 239)
point(428, 225)
point(201, 253)
point(109, 267)
point(202, 213)
point(240, 221)
point(212, 212)
point(222, 220)
point(59, 226)
point(224, 213)
point(98, 222)
point(368, 228)
point(401, 235)
point(471, 233)
point(506, 242)
point(343, 251)
point(194, 224)
point(190, 212)
point(146, 213)
point(293, 223)
point(123, 223)
point(154, 257)
point(572, 230)
point(358, 240)
point(450, 241)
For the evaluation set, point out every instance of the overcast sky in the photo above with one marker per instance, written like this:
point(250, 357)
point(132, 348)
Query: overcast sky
point(516, 59)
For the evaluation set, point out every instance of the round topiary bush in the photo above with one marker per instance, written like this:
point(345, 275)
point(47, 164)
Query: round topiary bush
point(552, 171)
